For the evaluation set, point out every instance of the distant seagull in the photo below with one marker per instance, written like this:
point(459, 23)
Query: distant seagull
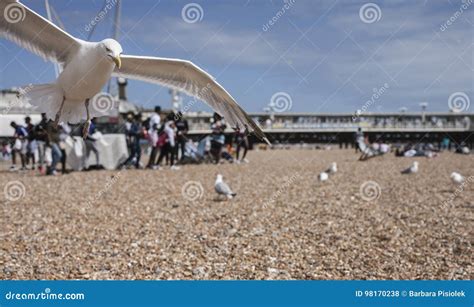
point(323, 176)
point(457, 178)
point(222, 188)
point(332, 169)
point(87, 66)
point(412, 169)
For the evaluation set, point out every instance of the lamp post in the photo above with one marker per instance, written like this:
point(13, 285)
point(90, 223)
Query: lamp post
point(423, 106)
point(403, 110)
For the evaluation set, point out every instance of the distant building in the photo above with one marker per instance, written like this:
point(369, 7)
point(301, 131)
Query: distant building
point(281, 127)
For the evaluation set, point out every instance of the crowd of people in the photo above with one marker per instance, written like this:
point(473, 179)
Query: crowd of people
point(39, 146)
point(168, 142)
point(419, 149)
point(164, 138)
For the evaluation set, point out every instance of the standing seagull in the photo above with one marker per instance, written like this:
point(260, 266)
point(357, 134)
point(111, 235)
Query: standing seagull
point(87, 66)
point(323, 176)
point(412, 169)
point(332, 169)
point(222, 188)
point(457, 178)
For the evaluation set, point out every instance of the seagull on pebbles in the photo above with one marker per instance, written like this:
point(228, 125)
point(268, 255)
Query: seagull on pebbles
point(332, 169)
point(222, 188)
point(323, 176)
point(457, 178)
point(412, 169)
point(87, 67)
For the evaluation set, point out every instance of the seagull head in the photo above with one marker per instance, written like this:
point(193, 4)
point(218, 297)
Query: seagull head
point(219, 178)
point(112, 50)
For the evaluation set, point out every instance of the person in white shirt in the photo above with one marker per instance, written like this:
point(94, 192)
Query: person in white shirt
point(167, 143)
point(153, 141)
point(155, 118)
point(154, 124)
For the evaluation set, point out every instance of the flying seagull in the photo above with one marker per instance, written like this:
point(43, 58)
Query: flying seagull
point(87, 66)
point(222, 188)
point(412, 169)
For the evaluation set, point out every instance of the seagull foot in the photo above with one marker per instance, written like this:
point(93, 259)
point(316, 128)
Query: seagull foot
point(85, 130)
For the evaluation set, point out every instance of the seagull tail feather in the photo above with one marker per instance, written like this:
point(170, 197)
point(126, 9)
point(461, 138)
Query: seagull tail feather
point(45, 98)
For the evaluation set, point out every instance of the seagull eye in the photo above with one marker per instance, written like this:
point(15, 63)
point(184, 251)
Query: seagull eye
point(107, 49)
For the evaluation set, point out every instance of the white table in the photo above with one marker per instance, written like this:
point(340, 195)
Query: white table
point(112, 151)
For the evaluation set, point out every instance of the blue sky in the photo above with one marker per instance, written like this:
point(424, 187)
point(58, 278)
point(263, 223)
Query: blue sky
point(321, 53)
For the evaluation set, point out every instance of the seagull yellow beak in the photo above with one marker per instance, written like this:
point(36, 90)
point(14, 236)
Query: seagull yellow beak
point(117, 61)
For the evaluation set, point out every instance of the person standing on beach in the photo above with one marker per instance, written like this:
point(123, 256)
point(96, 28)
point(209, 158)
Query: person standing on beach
point(53, 143)
point(242, 141)
point(41, 139)
point(167, 142)
point(154, 124)
point(181, 135)
point(153, 141)
point(155, 118)
point(218, 127)
point(134, 134)
point(358, 138)
point(31, 142)
point(65, 132)
point(20, 145)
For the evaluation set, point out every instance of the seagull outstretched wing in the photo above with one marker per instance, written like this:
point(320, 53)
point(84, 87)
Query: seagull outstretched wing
point(31, 31)
point(192, 80)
